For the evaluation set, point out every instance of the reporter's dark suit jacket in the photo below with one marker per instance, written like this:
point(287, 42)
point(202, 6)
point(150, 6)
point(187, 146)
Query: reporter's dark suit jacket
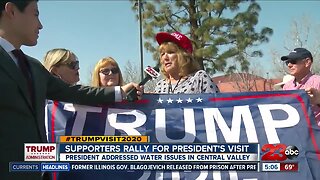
point(20, 122)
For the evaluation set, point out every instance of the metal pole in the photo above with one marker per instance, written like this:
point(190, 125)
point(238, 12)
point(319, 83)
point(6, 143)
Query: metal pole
point(141, 42)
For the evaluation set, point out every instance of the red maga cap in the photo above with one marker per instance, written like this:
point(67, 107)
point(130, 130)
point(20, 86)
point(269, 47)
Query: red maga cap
point(180, 39)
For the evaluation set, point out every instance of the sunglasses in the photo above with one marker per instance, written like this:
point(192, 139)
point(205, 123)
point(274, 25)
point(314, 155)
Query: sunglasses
point(293, 61)
point(73, 65)
point(107, 71)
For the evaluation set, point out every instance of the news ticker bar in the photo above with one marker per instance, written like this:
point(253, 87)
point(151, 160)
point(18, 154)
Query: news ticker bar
point(160, 157)
point(159, 152)
point(141, 152)
point(57, 166)
point(159, 148)
point(102, 139)
point(280, 167)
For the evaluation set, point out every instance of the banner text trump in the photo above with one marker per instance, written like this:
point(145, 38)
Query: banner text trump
point(211, 116)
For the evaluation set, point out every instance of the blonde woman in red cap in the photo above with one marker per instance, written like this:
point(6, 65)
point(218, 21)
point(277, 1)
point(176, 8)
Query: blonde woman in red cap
point(182, 73)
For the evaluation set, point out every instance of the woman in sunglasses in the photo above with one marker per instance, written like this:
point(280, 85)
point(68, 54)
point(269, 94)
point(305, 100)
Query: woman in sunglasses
point(107, 73)
point(64, 64)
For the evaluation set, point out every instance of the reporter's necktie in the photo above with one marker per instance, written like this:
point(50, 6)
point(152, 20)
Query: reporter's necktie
point(25, 69)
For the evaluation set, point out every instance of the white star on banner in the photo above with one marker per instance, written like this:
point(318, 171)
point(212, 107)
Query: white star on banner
point(189, 100)
point(169, 100)
point(160, 100)
point(199, 99)
point(179, 100)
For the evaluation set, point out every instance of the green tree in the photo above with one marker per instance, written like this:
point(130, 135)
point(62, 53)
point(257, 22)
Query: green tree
point(218, 30)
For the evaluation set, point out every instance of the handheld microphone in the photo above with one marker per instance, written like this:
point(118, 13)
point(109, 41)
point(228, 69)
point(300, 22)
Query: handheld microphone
point(151, 73)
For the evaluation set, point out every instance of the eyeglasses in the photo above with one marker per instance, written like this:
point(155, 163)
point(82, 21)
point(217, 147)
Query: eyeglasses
point(72, 64)
point(107, 71)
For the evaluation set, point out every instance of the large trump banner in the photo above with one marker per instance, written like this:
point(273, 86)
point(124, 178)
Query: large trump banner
point(275, 120)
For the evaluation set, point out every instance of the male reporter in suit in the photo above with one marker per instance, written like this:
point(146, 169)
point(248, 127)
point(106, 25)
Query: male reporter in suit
point(22, 100)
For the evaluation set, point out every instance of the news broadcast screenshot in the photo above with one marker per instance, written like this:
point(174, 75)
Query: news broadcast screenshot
point(254, 135)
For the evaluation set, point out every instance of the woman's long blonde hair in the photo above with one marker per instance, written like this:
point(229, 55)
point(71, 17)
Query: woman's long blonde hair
point(95, 81)
point(187, 65)
point(57, 56)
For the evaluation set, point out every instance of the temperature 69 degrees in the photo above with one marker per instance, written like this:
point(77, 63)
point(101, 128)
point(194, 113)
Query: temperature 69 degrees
point(289, 166)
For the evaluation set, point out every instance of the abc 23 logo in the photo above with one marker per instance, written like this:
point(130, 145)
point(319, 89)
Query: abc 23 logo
point(279, 152)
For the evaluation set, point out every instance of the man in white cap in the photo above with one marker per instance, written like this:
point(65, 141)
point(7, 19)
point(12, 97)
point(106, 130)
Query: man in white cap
point(299, 63)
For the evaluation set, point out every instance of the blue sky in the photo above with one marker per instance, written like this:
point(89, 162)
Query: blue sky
point(97, 29)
